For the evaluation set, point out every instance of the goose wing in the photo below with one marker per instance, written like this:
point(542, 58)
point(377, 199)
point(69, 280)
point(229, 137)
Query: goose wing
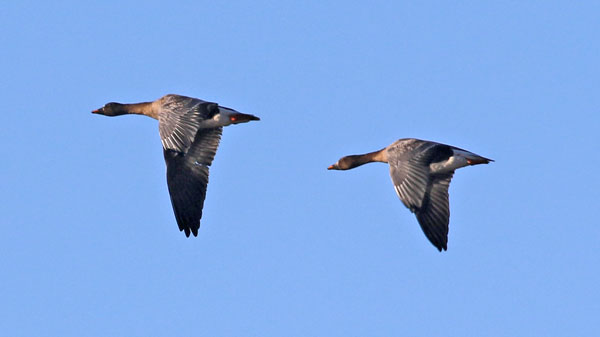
point(180, 118)
point(425, 194)
point(187, 177)
point(434, 214)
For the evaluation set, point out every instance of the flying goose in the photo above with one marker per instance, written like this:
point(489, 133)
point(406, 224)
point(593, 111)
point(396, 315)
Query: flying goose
point(421, 172)
point(190, 130)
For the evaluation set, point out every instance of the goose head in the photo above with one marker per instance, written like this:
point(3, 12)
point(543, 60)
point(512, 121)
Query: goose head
point(345, 163)
point(111, 109)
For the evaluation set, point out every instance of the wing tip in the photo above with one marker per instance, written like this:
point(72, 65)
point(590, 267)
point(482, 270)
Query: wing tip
point(441, 246)
point(189, 229)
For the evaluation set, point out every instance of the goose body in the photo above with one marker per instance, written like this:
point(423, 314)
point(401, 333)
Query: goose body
point(421, 172)
point(190, 131)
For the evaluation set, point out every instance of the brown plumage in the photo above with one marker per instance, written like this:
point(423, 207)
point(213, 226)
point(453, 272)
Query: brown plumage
point(190, 130)
point(421, 172)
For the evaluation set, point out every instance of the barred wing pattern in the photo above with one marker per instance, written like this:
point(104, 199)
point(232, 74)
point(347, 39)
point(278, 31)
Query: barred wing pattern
point(189, 150)
point(425, 194)
point(179, 120)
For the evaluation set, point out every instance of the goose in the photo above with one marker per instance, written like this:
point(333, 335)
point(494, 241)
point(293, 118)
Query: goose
point(190, 131)
point(421, 171)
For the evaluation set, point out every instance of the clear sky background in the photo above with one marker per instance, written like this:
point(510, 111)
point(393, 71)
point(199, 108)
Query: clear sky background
point(89, 244)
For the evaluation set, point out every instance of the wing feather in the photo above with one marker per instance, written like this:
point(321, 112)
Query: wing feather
point(424, 193)
point(187, 178)
point(179, 120)
point(434, 215)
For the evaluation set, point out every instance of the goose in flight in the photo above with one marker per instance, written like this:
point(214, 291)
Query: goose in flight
point(190, 130)
point(421, 172)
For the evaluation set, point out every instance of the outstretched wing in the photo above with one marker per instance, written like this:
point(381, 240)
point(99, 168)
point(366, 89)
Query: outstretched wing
point(424, 194)
point(187, 177)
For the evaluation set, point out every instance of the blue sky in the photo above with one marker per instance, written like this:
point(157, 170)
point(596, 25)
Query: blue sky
point(90, 246)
